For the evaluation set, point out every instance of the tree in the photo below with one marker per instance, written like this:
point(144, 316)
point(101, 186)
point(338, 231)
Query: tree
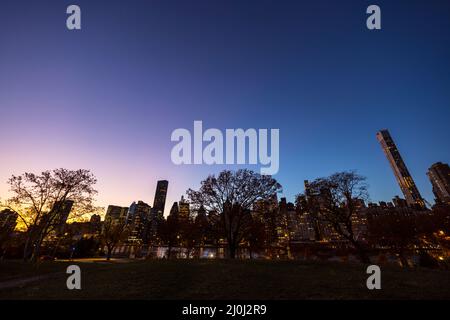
point(268, 213)
point(231, 195)
point(204, 227)
point(114, 231)
point(256, 236)
point(433, 231)
point(337, 198)
point(405, 230)
point(169, 231)
point(8, 222)
point(191, 235)
point(437, 226)
point(394, 230)
point(39, 201)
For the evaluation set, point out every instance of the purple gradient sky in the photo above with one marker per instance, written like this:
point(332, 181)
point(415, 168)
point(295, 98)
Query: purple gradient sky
point(107, 97)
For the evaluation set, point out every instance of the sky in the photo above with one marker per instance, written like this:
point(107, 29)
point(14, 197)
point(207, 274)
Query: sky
point(107, 97)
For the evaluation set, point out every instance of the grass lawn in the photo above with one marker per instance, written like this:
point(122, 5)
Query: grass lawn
point(222, 279)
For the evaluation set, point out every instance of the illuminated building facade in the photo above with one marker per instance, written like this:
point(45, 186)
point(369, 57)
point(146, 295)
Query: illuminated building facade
point(404, 179)
point(184, 211)
point(138, 217)
point(116, 213)
point(64, 208)
point(439, 174)
point(160, 197)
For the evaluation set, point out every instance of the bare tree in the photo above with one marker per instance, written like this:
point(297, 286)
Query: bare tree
point(169, 232)
point(436, 226)
point(7, 226)
point(404, 232)
point(114, 231)
point(231, 195)
point(39, 201)
point(394, 230)
point(256, 236)
point(336, 198)
point(190, 234)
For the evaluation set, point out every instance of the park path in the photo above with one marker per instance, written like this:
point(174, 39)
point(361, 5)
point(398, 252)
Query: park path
point(18, 283)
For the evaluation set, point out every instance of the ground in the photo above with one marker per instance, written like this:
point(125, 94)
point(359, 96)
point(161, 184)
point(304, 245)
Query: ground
point(218, 279)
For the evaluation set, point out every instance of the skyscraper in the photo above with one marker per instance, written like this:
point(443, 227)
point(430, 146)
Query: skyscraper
point(160, 197)
point(58, 215)
point(184, 210)
point(404, 179)
point(439, 174)
point(138, 219)
point(174, 211)
point(116, 213)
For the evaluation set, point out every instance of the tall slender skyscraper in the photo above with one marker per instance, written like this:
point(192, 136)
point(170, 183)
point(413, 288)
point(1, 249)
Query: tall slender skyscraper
point(404, 179)
point(439, 174)
point(160, 196)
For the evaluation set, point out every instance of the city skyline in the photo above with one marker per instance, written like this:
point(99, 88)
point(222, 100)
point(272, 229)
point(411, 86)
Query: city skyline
point(162, 189)
point(224, 158)
point(107, 98)
point(387, 143)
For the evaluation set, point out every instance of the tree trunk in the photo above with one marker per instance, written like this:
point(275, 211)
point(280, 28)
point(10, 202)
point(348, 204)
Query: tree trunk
point(56, 248)
point(188, 252)
point(35, 255)
point(37, 246)
point(363, 256)
point(37, 249)
point(403, 259)
point(109, 253)
point(232, 250)
point(288, 250)
point(26, 248)
point(361, 252)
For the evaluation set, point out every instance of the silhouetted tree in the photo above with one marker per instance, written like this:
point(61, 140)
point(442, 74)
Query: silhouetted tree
point(204, 227)
point(336, 198)
point(6, 230)
point(256, 236)
point(410, 231)
point(169, 231)
point(269, 214)
point(114, 231)
point(395, 230)
point(436, 225)
point(216, 231)
point(433, 229)
point(191, 235)
point(231, 195)
point(86, 247)
point(38, 199)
